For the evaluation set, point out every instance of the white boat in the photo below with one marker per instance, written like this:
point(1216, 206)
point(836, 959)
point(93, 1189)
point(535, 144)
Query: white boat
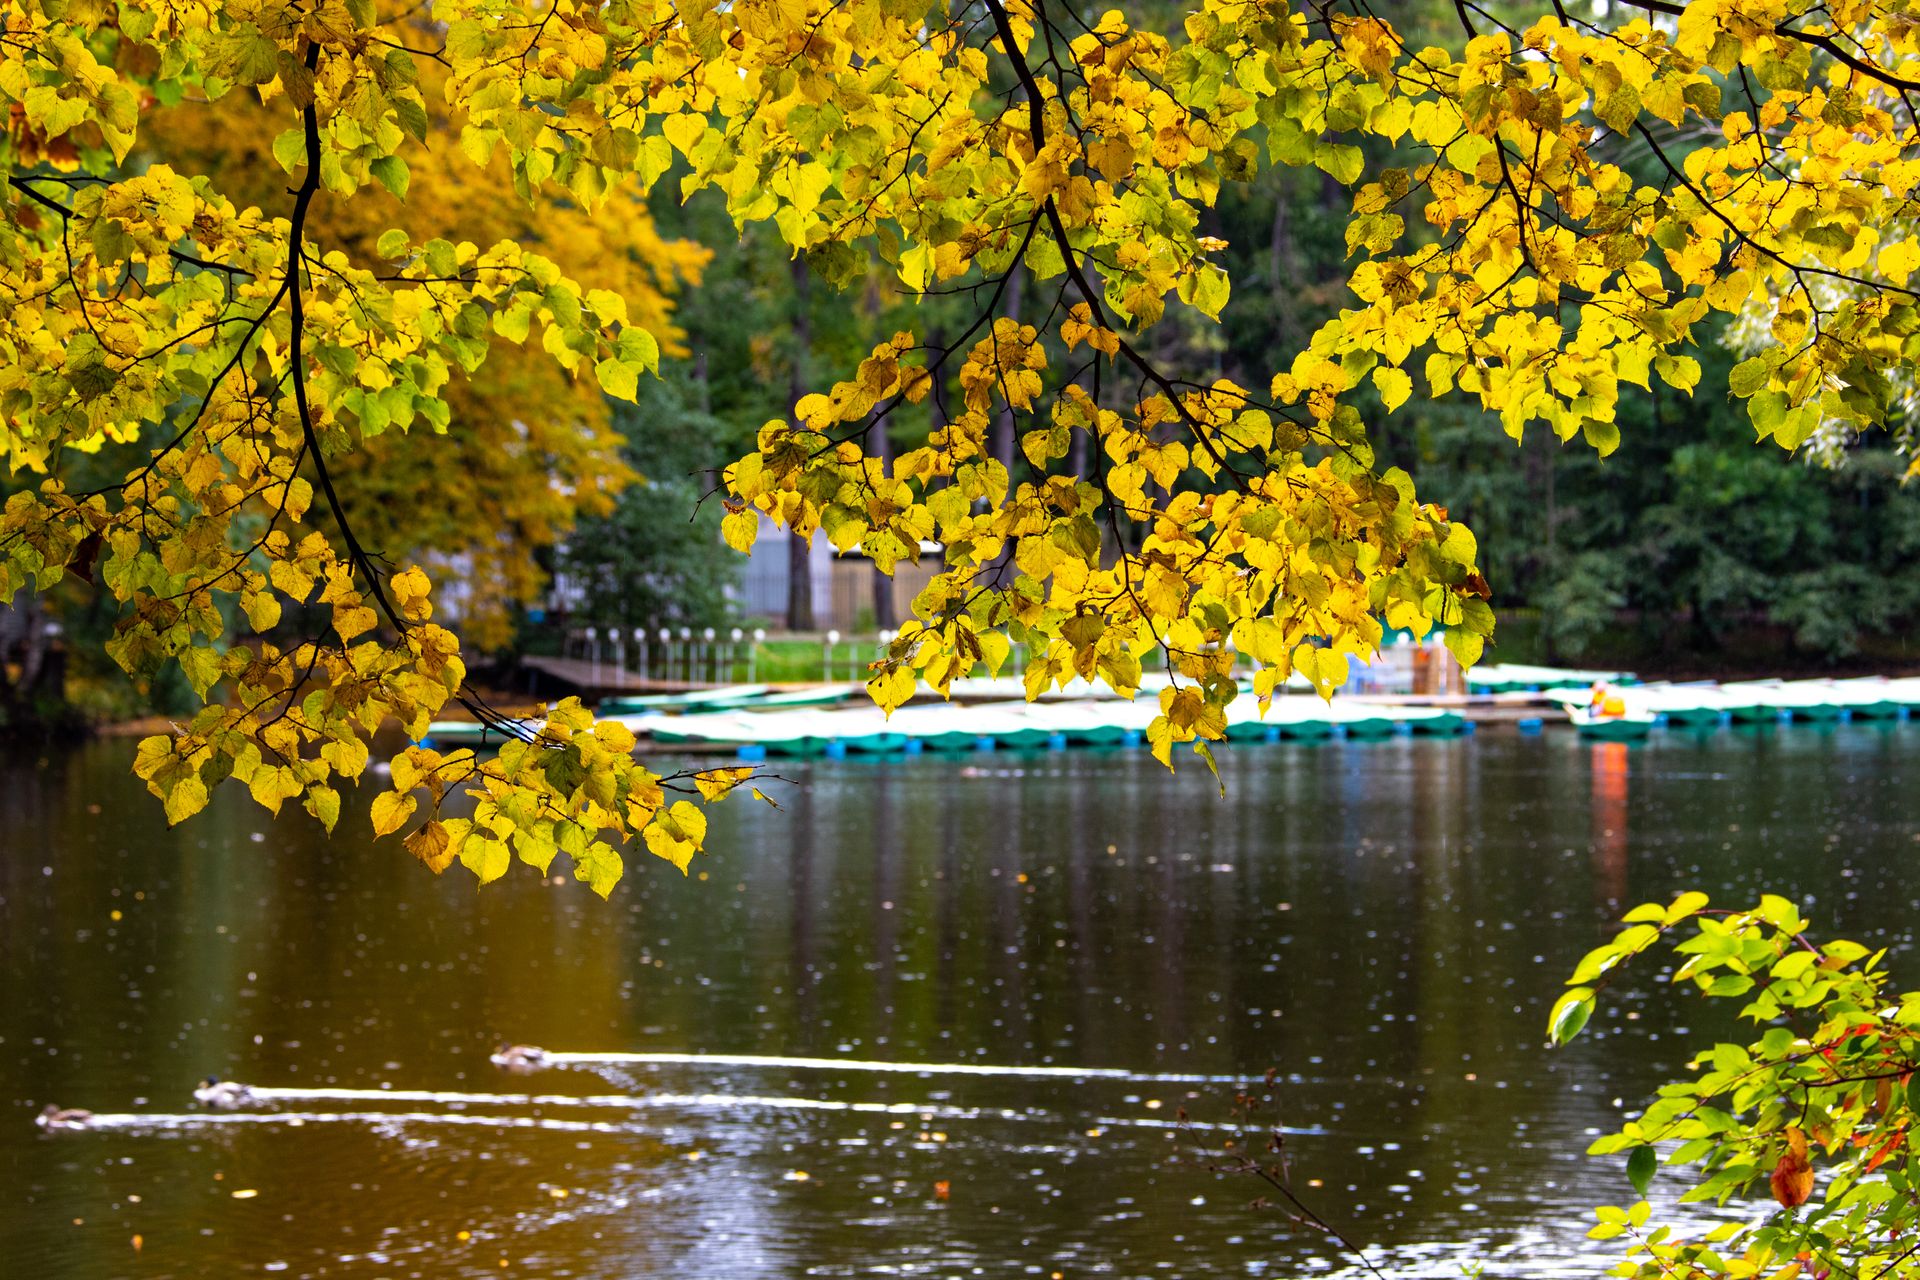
point(1515, 677)
point(1629, 726)
point(970, 727)
point(1795, 699)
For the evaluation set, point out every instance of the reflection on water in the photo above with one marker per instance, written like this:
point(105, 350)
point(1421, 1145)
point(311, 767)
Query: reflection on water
point(1383, 923)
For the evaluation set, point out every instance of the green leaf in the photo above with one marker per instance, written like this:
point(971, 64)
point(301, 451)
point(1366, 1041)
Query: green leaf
point(618, 379)
point(600, 866)
point(246, 56)
point(637, 347)
point(412, 117)
point(202, 668)
point(1767, 409)
point(513, 323)
point(290, 149)
point(1799, 425)
point(392, 174)
point(1465, 646)
point(324, 804)
point(1344, 163)
point(393, 243)
point(1641, 1164)
point(1570, 1015)
point(1603, 436)
point(1749, 376)
point(1206, 289)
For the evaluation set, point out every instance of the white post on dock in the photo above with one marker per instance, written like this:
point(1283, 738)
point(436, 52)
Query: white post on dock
point(619, 656)
point(733, 654)
point(833, 638)
point(640, 651)
point(713, 655)
point(666, 654)
point(593, 654)
point(686, 652)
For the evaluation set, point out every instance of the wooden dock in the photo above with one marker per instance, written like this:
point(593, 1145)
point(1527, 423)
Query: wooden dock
point(592, 681)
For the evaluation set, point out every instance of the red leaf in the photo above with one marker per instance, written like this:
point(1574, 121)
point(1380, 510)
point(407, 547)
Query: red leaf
point(1792, 1180)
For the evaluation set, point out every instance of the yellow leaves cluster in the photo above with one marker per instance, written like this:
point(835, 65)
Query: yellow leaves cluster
point(1517, 258)
point(1005, 365)
point(573, 788)
point(1294, 566)
point(1536, 214)
point(881, 375)
point(296, 719)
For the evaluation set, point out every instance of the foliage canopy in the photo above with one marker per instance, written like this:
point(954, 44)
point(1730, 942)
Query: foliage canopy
point(1823, 1097)
point(1539, 216)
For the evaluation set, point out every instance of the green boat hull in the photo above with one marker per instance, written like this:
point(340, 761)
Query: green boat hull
point(1024, 738)
point(1439, 726)
point(951, 742)
point(795, 747)
point(875, 744)
point(1615, 730)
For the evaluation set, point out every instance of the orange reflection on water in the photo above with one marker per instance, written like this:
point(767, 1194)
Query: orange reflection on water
point(1609, 808)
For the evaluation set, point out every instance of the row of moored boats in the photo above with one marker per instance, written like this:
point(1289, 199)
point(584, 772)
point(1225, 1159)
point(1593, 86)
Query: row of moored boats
point(752, 724)
point(765, 720)
point(1632, 711)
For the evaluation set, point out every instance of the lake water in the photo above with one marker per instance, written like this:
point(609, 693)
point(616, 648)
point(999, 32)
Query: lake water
point(1385, 924)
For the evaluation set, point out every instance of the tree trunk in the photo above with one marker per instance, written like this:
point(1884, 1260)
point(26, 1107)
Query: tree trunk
point(799, 553)
point(26, 640)
point(885, 616)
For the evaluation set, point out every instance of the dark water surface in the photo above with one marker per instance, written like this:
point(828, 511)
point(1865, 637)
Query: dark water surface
point(1386, 924)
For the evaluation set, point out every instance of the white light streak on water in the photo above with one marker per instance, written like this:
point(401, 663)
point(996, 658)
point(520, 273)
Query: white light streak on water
point(906, 1068)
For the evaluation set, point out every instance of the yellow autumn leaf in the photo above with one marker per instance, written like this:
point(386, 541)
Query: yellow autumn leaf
point(390, 812)
point(1394, 386)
